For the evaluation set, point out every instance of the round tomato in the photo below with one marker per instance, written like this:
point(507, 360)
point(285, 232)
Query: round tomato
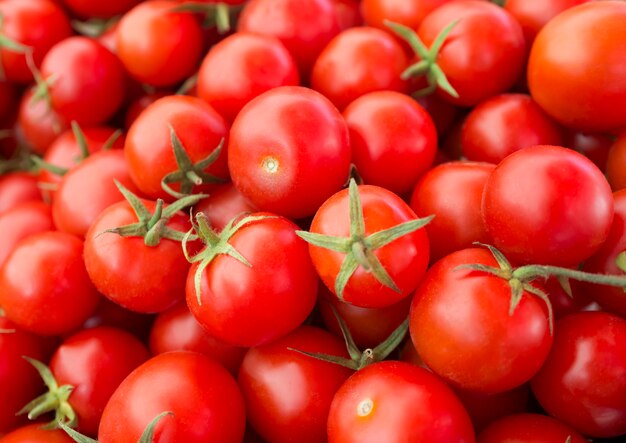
point(23, 220)
point(91, 9)
point(529, 428)
point(34, 433)
point(223, 204)
point(408, 13)
point(38, 124)
point(616, 164)
point(17, 188)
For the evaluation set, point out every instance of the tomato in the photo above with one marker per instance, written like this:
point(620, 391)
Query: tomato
point(304, 26)
point(409, 13)
point(91, 9)
point(443, 113)
point(583, 382)
point(44, 287)
point(562, 74)
point(89, 82)
point(288, 393)
point(223, 204)
point(358, 61)
point(95, 361)
point(34, 433)
point(453, 193)
point(461, 326)
point(177, 330)
point(348, 13)
point(616, 164)
point(21, 221)
point(37, 24)
point(204, 400)
point(560, 217)
point(150, 152)
point(393, 140)
point(38, 124)
point(19, 381)
point(110, 314)
point(88, 189)
point(271, 296)
point(289, 151)
point(241, 67)
point(529, 428)
point(397, 402)
point(16, 188)
point(158, 46)
point(595, 147)
point(504, 124)
point(137, 106)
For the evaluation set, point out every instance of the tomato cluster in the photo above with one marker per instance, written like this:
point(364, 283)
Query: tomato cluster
point(313, 221)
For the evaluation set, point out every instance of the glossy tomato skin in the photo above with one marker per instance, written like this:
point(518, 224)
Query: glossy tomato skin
point(23, 220)
point(88, 189)
point(583, 382)
point(616, 164)
point(17, 188)
point(393, 140)
point(149, 148)
point(19, 381)
point(397, 402)
point(90, 83)
point(483, 55)
point(286, 144)
point(223, 204)
point(453, 193)
point(89, 9)
point(357, 61)
point(44, 287)
point(272, 297)
point(177, 330)
point(39, 24)
point(304, 26)
point(566, 218)
point(128, 272)
point(157, 46)
point(38, 124)
point(529, 428)
point(289, 394)
point(95, 361)
point(504, 124)
point(405, 259)
point(559, 64)
point(407, 13)
point(33, 433)
point(204, 398)
point(461, 327)
point(241, 67)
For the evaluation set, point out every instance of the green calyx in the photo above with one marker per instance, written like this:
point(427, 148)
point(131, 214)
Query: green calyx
point(146, 437)
point(42, 86)
point(94, 28)
point(152, 226)
point(359, 247)
point(218, 15)
point(216, 244)
point(620, 261)
point(189, 174)
point(360, 359)
point(56, 399)
point(427, 66)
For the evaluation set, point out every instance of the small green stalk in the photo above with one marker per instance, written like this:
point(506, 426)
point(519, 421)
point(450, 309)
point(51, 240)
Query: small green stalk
point(359, 247)
point(41, 90)
point(94, 28)
point(218, 15)
point(427, 65)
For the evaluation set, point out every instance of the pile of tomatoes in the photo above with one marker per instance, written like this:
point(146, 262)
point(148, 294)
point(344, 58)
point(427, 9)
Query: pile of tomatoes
point(373, 221)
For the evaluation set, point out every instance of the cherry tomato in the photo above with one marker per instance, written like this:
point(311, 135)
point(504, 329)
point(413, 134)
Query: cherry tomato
point(91, 9)
point(409, 13)
point(34, 433)
point(21, 221)
point(37, 124)
point(595, 147)
point(223, 204)
point(16, 188)
point(616, 164)
point(529, 428)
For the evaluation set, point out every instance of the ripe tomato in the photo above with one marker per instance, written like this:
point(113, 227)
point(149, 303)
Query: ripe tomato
point(562, 73)
point(289, 151)
point(89, 9)
point(34, 433)
point(393, 140)
point(16, 188)
point(461, 326)
point(204, 400)
point(223, 204)
point(38, 124)
point(616, 164)
point(380, 403)
point(568, 216)
point(409, 13)
point(44, 287)
point(288, 393)
point(529, 428)
point(583, 381)
point(21, 221)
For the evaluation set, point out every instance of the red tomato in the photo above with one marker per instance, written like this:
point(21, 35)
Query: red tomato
point(107, 9)
point(37, 24)
point(271, 297)
point(461, 326)
point(378, 404)
point(34, 433)
point(568, 216)
point(529, 428)
point(616, 164)
point(138, 105)
point(348, 13)
point(149, 148)
point(110, 314)
point(157, 46)
point(393, 140)
point(583, 382)
point(95, 361)
point(223, 204)
point(44, 287)
point(452, 192)
point(177, 330)
point(21, 221)
point(562, 73)
point(288, 393)
point(358, 61)
point(409, 13)
point(595, 147)
point(504, 124)
point(38, 124)
point(17, 188)
point(241, 67)
point(89, 82)
point(289, 151)
point(204, 400)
